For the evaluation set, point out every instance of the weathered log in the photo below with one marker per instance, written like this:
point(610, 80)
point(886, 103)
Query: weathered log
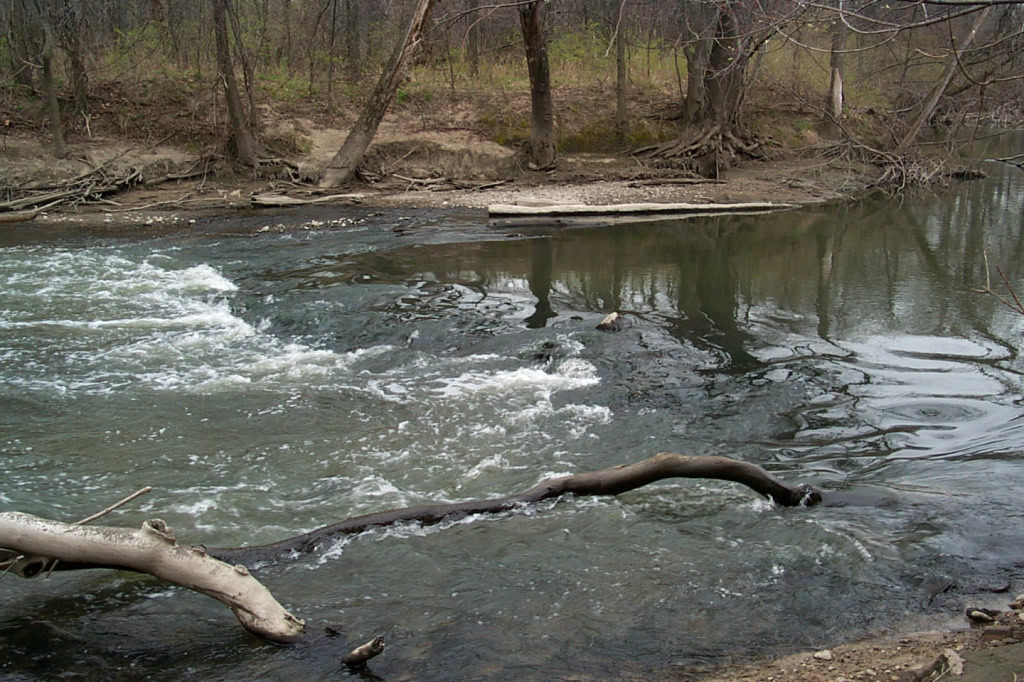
point(278, 200)
point(610, 481)
point(585, 210)
point(18, 216)
point(35, 543)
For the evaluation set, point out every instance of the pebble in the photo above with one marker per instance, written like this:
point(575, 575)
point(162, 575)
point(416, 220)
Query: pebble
point(979, 616)
point(824, 655)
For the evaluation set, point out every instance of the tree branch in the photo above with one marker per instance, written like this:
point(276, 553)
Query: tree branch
point(611, 481)
point(151, 549)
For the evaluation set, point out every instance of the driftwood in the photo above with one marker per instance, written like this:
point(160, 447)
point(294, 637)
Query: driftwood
point(31, 546)
point(572, 214)
point(35, 543)
point(90, 186)
point(18, 216)
point(284, 200)
point(515, 210)
point(610, 481)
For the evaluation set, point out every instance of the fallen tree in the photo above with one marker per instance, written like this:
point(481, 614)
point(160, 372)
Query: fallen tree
point(31, 546)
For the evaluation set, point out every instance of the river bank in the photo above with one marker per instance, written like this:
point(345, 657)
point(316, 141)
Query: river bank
point(598, 179)
point(408, 167)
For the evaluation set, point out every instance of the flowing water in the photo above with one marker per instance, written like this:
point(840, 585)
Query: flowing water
point(270, 373)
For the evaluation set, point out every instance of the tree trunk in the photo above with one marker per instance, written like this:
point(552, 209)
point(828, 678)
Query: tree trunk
point(621, 113)
point(331, 56)
point(724, 75)
point(50, 86)
point(542, 135)
point(342, 167)
point(697, 54)
point(927, 108)
point(473, 39)
point(247, 150)
point(834, 98)
point(353, 40)
point(248, 68)
point(71, 41)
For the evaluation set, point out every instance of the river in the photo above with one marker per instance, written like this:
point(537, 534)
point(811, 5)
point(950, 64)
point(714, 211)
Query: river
point(269, 373)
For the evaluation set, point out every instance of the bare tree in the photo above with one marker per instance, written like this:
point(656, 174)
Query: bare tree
point(243, 138)
point(542, 111)
point(342, 167)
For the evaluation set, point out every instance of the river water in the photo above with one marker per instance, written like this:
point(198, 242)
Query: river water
point(271, 373)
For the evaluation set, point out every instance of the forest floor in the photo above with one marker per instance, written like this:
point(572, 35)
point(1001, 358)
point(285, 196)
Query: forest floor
point(442, 155)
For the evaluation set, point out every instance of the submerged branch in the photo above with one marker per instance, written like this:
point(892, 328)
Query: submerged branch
point(611, 481)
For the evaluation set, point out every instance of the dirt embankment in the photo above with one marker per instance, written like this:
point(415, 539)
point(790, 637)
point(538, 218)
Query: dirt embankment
point(410, 164)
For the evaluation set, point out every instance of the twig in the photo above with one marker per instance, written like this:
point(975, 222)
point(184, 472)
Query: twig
point(166, 202)
point(11, 563)
point(120, 503)
point(1016, 306)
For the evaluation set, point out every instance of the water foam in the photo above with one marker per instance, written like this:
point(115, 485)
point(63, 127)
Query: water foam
point(105, 322)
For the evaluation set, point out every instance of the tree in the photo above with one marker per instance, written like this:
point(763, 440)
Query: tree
point(834, 98)
point(70, 31)
point(243, 138)
point(735, 31)
point(928, 105)
point(542, 116)
point(49, 83)
point(342, 167)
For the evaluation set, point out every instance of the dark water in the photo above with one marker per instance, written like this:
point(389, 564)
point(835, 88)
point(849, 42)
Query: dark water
point(267, 383)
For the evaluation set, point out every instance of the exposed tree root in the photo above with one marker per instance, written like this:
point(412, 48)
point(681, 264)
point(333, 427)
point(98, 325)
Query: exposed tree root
point(711, 149)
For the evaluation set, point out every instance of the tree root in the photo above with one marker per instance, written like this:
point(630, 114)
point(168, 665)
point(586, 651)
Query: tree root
point(710, 150)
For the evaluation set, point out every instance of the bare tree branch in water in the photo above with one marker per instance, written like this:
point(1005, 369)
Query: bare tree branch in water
point(1015, 304)
point(31, 546)
point(611, 481)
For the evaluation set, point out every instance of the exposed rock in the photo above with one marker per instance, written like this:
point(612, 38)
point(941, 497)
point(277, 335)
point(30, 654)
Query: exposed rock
point(613, 323)
point(824, 655)
point(981, 616)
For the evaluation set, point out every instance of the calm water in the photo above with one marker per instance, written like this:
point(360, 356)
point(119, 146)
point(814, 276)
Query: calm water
point(268, 382)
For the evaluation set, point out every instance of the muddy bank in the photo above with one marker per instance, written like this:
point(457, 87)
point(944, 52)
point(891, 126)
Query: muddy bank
point(979, 653)
point(408, 170)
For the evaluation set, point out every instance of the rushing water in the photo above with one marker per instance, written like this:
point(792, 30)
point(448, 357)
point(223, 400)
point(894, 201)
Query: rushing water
point(268, 374)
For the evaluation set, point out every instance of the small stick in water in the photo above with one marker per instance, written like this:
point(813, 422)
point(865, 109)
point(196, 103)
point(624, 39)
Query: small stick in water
point(358, 657)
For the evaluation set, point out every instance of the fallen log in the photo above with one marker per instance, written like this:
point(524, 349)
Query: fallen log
point(18, 216)
point(516, 210)
point(34, 544)
point(31, 546)
point(518, 214)
point(611, 481)
point(278, 200)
